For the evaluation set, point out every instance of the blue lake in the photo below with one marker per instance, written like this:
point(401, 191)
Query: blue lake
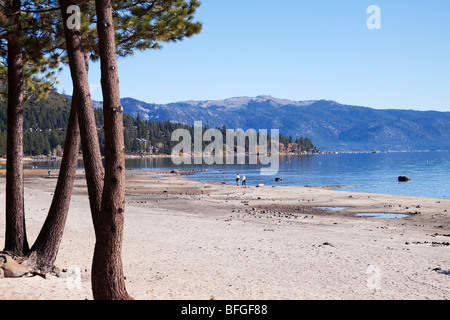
point(362, 172)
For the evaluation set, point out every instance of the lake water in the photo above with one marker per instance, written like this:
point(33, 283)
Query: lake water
point(362, 172)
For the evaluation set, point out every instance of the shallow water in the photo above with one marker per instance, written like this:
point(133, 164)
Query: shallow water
point(331, 208)
point(360, 172)
point(382, 215)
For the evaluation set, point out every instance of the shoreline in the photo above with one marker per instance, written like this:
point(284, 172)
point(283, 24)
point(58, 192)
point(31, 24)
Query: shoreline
point(43, 173)
point(36, 159)
point(186, 239)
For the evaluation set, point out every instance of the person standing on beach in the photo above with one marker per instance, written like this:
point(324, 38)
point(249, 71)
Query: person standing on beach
point(244, 180)
point(237, 179)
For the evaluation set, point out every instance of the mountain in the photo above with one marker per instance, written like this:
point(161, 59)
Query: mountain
point(331, 126)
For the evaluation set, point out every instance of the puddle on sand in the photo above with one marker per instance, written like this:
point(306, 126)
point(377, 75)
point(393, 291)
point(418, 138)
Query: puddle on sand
point(367, 215)
point(382, 215)
point(331, 208)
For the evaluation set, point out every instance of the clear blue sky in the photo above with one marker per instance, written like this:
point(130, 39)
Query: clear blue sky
point(300, 50)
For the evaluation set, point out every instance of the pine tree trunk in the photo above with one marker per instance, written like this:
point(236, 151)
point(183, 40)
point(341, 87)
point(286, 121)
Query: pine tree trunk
point(79, 62)
point(92, 157)
point(15, 232)
point(107, 270)
point(45, 249)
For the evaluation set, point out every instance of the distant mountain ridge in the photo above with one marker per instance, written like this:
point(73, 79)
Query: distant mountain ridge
point(331, 126)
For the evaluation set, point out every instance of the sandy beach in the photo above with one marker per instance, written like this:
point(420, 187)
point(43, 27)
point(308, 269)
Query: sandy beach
point(191, 240)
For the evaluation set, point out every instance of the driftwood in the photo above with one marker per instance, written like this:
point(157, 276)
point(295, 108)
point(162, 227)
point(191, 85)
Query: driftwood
point(11, 268)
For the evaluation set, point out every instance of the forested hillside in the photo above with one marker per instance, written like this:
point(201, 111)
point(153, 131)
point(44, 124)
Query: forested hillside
point(331, 125)
point(45, 122)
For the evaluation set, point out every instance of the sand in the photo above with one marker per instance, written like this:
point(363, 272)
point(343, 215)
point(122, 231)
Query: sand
point(191, 240)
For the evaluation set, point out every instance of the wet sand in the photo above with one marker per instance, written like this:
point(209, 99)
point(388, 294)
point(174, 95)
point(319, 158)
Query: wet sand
point(191, 240)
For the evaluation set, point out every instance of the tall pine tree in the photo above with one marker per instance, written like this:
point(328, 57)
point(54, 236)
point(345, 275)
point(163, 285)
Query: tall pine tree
point(25, 48)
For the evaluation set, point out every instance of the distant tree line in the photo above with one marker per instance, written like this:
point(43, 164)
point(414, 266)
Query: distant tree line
point(297, 145)
point(45, 122)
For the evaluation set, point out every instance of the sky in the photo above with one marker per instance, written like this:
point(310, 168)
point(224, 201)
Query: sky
point(299, 50)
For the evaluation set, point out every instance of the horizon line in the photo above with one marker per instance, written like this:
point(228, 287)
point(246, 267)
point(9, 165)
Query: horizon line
point(275, 98)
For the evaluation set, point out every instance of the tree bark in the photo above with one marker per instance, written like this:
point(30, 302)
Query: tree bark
point(45, 249)
point(92, 157)
point(79, 62)
point(107, 270)
point(15, 232)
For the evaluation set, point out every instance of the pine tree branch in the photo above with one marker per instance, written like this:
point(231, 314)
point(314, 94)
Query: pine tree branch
point(40, 10)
